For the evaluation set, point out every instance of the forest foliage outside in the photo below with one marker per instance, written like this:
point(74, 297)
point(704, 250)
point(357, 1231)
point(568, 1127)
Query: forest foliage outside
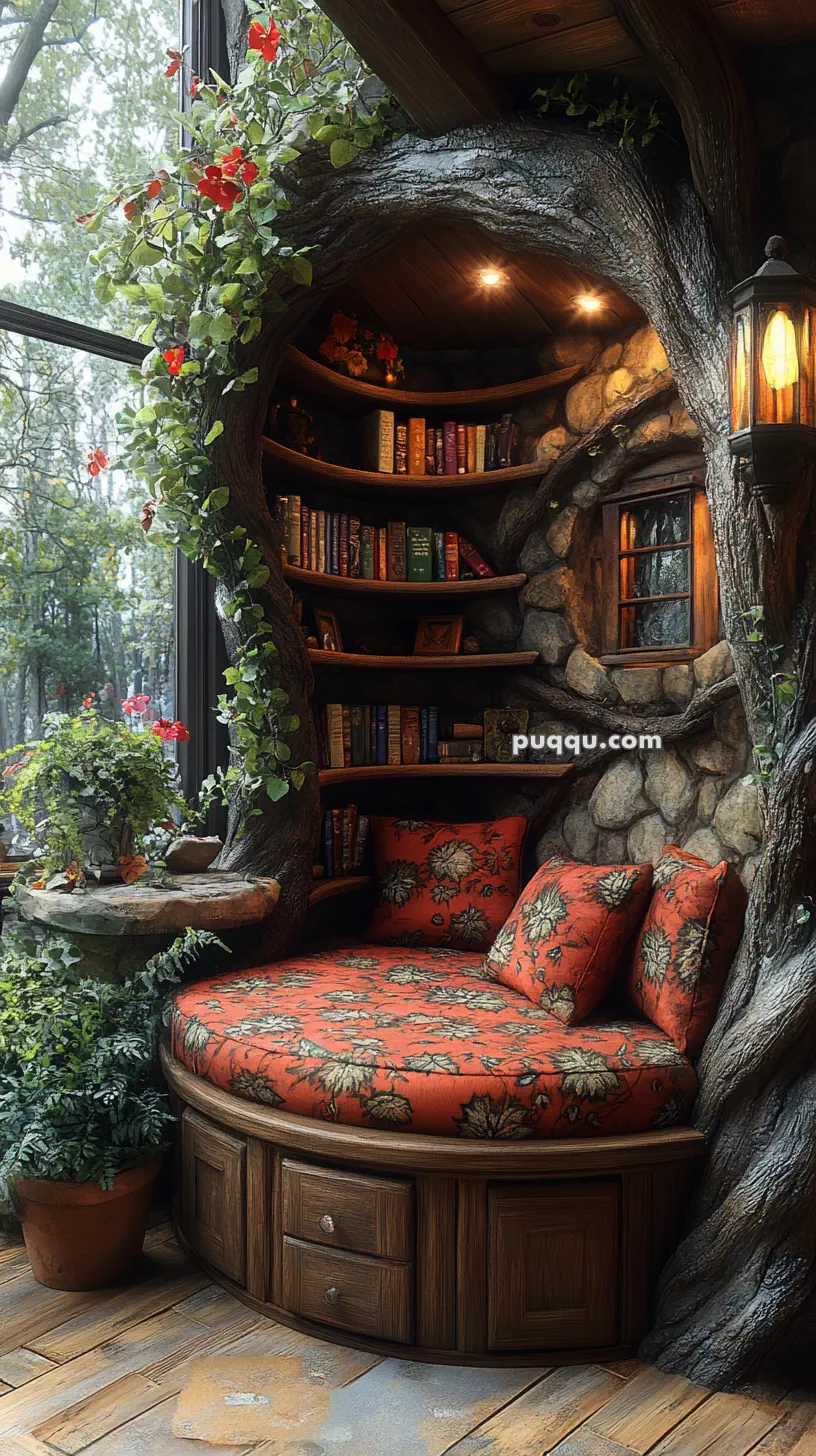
point(86, 600)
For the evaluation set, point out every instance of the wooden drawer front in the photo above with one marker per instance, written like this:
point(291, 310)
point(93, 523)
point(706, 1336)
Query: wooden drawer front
point(213, 1194)
point(352, 1291)
point(553, 1265)
point(348, 1211)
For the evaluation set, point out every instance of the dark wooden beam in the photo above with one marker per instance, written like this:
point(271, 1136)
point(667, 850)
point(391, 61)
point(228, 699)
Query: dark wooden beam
point(422, 58)
point(693, 59)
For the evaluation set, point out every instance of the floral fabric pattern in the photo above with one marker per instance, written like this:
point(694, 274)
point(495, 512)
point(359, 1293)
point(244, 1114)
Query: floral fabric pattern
point(692, 928)
point(444, 884)
point(566, 932)
point(423, 1040)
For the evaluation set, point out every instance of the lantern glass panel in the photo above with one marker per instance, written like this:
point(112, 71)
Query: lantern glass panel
point(777, 365)
point(741, 372)
point(807, 355)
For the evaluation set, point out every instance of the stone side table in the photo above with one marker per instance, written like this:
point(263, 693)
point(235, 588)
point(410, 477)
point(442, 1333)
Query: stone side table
point(116, 928)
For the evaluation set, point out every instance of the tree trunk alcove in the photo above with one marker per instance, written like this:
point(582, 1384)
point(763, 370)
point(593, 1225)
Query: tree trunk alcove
point(737, 1297)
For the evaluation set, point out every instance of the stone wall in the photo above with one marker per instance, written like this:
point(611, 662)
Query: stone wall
point(691, 794)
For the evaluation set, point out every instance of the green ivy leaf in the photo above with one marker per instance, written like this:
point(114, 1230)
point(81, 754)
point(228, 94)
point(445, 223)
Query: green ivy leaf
point(341, 152)
point(217, 429)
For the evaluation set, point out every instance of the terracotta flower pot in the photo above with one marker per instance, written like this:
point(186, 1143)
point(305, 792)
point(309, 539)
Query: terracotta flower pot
point(81, 1236)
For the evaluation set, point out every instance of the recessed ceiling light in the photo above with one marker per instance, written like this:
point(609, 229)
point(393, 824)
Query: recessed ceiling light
point(589, 302)
point(491, 277)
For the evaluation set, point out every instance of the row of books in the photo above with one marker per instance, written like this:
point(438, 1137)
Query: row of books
point(356, 735)
point(337, 544)
point(452, 448)
point(344, 841)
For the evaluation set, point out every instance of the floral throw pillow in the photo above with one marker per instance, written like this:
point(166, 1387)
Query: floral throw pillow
point(444, 884)
point(692, 928)
point(566, 932)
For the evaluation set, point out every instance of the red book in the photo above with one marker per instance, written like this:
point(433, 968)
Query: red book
point(449, 428)
point(470, 555)
point(461, 449)
point(451, 556)
point(410, 735)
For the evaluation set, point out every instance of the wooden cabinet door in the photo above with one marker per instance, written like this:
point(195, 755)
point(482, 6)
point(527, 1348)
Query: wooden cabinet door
point(213, 1194)
point(553, 1265)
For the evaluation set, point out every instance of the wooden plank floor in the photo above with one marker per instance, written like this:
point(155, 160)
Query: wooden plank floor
point(102, 1373)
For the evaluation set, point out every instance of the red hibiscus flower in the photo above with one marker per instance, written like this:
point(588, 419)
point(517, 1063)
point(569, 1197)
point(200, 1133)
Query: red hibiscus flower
point(223, 191)
point(387, 350)
point(170, 732)
point(154, 187)
point(194, 85)
point(136, 704)
point(97, 461)
point(130, 210)
point(174, 358)
point(265, 41)
point(176, 58)
point(147, 515)
point(231, 161)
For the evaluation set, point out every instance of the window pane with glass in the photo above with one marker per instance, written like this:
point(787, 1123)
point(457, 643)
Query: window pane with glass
point(654, 569)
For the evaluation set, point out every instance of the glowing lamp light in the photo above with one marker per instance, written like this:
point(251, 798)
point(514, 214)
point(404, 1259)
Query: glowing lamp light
point(772, 376)
point(491, 277)
point(589, 303)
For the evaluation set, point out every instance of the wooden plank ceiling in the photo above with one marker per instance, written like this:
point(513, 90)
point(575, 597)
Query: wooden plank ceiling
point(458, 62)
point(427, 292)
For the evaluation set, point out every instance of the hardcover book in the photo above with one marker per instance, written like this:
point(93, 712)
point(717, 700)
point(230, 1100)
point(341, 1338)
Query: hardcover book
point(378, 441)
point(305, 519)
point(382, 554)
point(344, 545)
point(419, 565)
point(382, 735)
point(504, 441)
point(410, 735)
point(354, 547)
point(401, 450)
point(313, 553)
point(334, 733)
point(439, 555)
point(430, 450)
point(450, 447)
point(451, 556)
point(477, 563)
point(466, 752)
point(357, 735)
point(461, 450)
point(394, 732)
point(439, 449)
point(481, 434)
point(368, 551)
point(361, 840)
point(491, 438)
point(346, 736)
point(416, 447)
point(471, 449)
point(433, 734)
point(396, 550)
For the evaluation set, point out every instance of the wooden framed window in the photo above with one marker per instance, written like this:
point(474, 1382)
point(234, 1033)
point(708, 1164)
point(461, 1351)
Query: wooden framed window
point(659, 577)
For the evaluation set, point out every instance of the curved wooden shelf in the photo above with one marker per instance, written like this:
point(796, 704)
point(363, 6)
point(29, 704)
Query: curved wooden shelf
point(339, 885)
point(305, 373)
point(323, 581)
point(344, 479)
point(330, 776)
point(398, 664)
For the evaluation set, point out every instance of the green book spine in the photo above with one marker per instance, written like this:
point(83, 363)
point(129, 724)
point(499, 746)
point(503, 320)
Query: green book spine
point(420, 553)
point(367, 554)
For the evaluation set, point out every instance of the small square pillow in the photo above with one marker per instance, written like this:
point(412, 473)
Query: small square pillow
point(444, 884)
point(692, 928)
point(566, 932)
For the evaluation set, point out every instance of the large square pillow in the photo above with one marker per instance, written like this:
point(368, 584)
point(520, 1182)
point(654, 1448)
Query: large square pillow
point(692, 928)
point(566, 932)
point(444, 884)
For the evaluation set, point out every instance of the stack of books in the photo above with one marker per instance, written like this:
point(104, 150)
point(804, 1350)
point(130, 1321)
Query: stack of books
point(340, 545)
point(452, 448)
point(359, 735)
point(344, 841)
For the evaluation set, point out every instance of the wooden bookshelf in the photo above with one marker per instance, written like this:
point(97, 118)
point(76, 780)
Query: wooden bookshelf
point(332, 776)
point(441, 664)
point(338, 885)
point(324, 582)
point(301, 372)
point(299, 469)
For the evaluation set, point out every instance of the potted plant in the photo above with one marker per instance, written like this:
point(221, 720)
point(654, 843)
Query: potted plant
point(84, 1116)
point(89, 791)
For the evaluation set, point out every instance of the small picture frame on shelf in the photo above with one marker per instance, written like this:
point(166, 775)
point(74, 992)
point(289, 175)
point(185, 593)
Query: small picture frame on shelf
point(329, 638)
point(439, 636)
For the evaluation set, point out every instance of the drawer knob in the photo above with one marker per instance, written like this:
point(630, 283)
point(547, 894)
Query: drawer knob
point(328, 1224)
point(331, 1295)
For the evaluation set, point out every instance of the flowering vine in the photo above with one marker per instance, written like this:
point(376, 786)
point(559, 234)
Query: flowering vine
point(197, 249)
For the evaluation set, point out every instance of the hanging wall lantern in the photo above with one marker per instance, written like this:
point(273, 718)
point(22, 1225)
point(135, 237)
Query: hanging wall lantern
point(773, 374)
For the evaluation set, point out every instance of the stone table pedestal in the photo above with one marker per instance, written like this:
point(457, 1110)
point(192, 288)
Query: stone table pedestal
point(116, 928)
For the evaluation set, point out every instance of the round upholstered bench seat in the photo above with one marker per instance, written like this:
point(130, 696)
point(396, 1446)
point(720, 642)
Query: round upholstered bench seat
point(419, 1040)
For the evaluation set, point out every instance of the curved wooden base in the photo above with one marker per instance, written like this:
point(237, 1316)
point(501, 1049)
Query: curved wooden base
point(476, 1253)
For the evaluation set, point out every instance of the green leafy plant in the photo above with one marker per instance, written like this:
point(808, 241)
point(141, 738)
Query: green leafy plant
point(81, 1096)
point(87, 767)
point(636, 122)
point(778, 696)
point(202, 245)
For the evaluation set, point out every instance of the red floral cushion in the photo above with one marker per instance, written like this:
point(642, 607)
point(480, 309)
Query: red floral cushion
point(692, 928)
point(569, 925)
point(444, 884)
point(377, 1037)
